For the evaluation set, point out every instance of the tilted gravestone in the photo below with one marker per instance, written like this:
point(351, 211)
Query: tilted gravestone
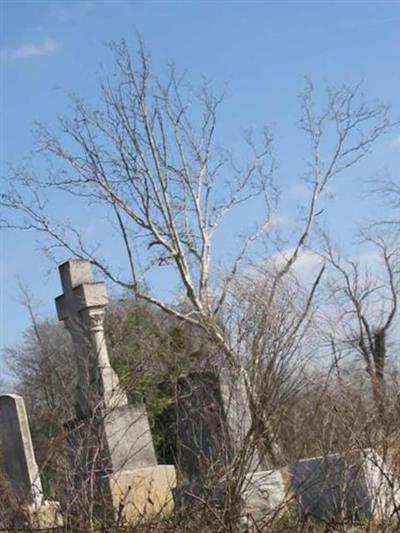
point(19, 465)
point(214, 420)
point(128, 463)
point(18, 459)
point(202, 432)
point(216, 452)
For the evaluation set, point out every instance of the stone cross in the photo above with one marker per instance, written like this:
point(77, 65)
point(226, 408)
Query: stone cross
point(16, 449)
point(81, 307)
point(116, 439)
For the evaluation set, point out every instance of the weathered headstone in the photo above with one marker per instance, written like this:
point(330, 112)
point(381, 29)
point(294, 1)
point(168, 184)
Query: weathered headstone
point(214, 420)
point(335, 487)
point(345, 486)
point(128, 463)
point(19, 465)
point(18, 459)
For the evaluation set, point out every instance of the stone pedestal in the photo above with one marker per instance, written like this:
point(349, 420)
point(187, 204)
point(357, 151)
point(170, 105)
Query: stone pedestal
point(144, 492)
point(129, 441)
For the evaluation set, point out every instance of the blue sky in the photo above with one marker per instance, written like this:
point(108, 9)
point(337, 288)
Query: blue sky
point(257, 52)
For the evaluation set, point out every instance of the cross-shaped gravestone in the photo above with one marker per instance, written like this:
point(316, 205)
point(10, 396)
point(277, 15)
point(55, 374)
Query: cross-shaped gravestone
point(114, 437)
point(81, 307)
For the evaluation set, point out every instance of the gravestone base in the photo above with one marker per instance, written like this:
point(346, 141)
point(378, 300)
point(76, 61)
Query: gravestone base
point(112, 441)
point(194, 501)
point(265, 494)
point(127, 482)
point(143, 493)
point(46, 515)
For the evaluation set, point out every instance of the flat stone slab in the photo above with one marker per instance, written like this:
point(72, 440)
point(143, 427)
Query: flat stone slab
point(335, 486)
point(339, 485)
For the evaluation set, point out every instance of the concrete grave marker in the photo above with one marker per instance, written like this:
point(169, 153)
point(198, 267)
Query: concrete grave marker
point(17, 456)
point(338, 486)
point(17, 460)
point(213, 419)
point(81, 307)
point(128, 460)
point(126, 428)
point(345, 485)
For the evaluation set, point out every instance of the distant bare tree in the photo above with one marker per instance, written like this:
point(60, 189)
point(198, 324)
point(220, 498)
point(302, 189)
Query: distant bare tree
point(369, 304)
point(389, 189)
point(41, 364)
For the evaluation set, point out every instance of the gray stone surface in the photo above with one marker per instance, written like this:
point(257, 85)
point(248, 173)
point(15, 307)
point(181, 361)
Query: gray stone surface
point(16, 451)
point(121, 430)
point(264, 493)
point(213, 419)
point(203, 440)
point(129, 438)
point(330, 486)
point(81, 307)
point(345, 486)
point(238, 415)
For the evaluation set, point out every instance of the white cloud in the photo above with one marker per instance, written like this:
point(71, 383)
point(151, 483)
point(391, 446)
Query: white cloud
point(308, 264)
point(396, 142)
point(306, 259)
point(88, 5)
point(58, 12)
point(73, 11)
point(29, 50)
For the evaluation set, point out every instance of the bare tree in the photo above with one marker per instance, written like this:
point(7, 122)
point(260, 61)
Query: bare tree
point(368, 303)
point(41, 363)
point(389, 189)
point(149, 157)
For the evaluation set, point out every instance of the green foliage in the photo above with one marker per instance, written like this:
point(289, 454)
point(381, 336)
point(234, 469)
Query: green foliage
point(149, 351)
